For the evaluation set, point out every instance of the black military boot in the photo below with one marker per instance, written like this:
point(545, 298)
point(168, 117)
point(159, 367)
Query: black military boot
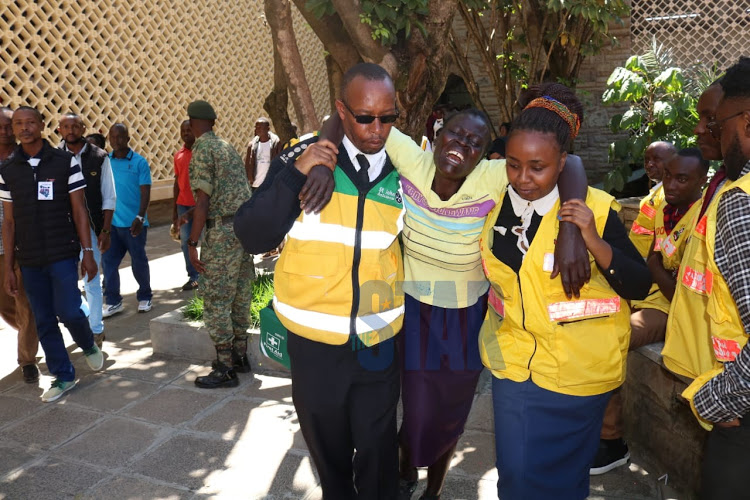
point(222, 374)
point(240, 364)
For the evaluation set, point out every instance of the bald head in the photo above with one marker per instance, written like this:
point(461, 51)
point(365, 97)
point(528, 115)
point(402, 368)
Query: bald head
point(656, 156)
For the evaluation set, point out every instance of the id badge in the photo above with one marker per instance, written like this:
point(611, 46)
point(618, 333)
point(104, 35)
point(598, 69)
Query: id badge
point(44, 190)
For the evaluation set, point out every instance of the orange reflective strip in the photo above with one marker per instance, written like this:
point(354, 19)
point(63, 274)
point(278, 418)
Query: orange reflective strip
point(648, 210)
point(638, 229)
point(496, 302)
point(574, 309)
point(697, 281)
point(701, 227)
point(725, 349)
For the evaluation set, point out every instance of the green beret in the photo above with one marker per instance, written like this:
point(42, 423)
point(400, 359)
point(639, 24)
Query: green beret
point(201, 110)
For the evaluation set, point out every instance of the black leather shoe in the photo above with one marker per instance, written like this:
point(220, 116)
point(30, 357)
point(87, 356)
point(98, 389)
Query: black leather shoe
point(406, 489)
point(221, 376)
point(30, 374)
point(239, 364)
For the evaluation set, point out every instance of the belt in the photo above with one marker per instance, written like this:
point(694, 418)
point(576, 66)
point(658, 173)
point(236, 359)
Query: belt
point(220, 221)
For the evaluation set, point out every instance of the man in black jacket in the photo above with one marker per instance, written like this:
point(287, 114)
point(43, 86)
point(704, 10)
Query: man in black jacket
point(100, 201)
point(45, 223)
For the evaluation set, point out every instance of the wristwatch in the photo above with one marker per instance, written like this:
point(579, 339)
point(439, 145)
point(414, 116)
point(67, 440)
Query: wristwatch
point(139, 217)
point(192, 243)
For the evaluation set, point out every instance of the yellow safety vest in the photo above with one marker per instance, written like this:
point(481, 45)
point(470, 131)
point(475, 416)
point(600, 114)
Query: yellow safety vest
point(727, 333)
point(672, 247)
point(687, 345)
point(577, 347)
point(325, 254)
point(642, 235)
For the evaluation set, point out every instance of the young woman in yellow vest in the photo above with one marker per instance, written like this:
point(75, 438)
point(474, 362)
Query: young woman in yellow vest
point(447, 196)
point(684, 178)
point(554, 360)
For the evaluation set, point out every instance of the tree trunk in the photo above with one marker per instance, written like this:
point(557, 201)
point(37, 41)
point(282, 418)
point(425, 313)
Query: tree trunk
point(277, 102)
point(279, 18)
point(427, 60)
point(334, 37)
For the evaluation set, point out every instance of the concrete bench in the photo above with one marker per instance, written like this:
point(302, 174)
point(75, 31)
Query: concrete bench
point(659, 420)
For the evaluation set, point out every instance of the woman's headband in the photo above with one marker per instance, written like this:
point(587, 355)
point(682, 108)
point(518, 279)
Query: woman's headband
point(562, 111)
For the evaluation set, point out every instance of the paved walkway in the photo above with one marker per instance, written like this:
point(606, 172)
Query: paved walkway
point(141, 430)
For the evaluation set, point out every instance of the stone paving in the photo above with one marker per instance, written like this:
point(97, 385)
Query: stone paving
point(141, 430)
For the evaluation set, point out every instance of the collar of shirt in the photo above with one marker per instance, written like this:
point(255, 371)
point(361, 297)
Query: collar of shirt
point(376, 160)
point(541, 206)
point(80, 153)
point(656, 186)
point(128, 156)
point(673, 215)
point(745, 169)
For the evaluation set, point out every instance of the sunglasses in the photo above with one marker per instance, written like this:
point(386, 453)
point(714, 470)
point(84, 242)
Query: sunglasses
point(367, 119)
point(714, 127)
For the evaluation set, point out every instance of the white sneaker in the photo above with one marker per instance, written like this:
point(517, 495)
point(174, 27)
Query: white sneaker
point(109, 310)
point(144, 306)
point(57, 390)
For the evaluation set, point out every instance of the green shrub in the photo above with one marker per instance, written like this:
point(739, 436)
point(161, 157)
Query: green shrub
point(262, 295)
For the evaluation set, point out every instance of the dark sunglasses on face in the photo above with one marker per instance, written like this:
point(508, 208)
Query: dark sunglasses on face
point(714, 127)
point(367, 119)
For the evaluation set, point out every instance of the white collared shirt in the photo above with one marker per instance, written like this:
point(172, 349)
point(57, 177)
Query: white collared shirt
point(541, 206)
point(377, 160)
point(109, 198)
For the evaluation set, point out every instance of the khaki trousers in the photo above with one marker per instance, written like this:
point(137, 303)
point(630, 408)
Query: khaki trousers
point(16, 311)
point(647, 326)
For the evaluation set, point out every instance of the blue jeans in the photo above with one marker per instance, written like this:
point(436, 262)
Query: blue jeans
point(121, 242)
point(184, 235)
point(53, 293)
point(94, 290)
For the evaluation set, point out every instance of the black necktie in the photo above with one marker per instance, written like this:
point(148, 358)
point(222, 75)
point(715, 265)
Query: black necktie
point(364, 165)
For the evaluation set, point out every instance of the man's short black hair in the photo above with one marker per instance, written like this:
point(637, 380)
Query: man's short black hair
point(695, 153)
point(33, 110)
point(368, 71)
point(736, 81)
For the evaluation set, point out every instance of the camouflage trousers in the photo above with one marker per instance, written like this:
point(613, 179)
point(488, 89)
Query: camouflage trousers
point(226, 286)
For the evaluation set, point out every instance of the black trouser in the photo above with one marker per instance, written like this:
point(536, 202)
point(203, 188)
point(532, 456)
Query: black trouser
point(726, 460)
point(346, 400)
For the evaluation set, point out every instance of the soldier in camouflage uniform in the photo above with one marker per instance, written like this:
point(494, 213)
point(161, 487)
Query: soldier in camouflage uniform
point(217, 176)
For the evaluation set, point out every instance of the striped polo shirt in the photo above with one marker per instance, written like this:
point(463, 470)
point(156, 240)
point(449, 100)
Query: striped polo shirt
point(442, 263)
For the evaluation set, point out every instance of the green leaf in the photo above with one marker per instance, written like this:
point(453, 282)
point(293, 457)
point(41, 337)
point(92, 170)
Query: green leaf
point(633, 89)
point(609, 96)
point(636, 64)
point(614, 123)
point(620, 148)
point(665, 112)
point(638, 147)
point(671, 80)
point(632, 119)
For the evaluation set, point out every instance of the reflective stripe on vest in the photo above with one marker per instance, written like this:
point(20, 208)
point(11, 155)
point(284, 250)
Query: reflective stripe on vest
point(648, 210)
point(311, 229)
point(698, 282)
point(578, 309)
point(338, 324)
point(638, 229)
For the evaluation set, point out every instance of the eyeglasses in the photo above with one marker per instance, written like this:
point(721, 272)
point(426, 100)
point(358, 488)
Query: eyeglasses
point(714, 127)
point(367, 119)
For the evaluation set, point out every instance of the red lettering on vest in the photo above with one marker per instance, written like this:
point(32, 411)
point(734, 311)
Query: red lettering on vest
point(725, 349)
point(698, 282)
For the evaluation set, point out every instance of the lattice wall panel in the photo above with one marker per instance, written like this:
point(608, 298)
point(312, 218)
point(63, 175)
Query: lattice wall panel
point(698, 31)
point(142, 62)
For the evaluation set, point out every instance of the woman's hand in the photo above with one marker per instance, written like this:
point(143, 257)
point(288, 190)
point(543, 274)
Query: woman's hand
point(576, 212)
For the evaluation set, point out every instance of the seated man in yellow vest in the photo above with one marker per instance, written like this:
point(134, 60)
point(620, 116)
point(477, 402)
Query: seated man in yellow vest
point(684, 178)
point(721, 396)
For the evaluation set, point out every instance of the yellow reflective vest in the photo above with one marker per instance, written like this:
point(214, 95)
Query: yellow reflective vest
point(687, 345)
point(642, 234)
point(338, 271)
point(577, 347)
point(672, 247)
point(727, 333)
